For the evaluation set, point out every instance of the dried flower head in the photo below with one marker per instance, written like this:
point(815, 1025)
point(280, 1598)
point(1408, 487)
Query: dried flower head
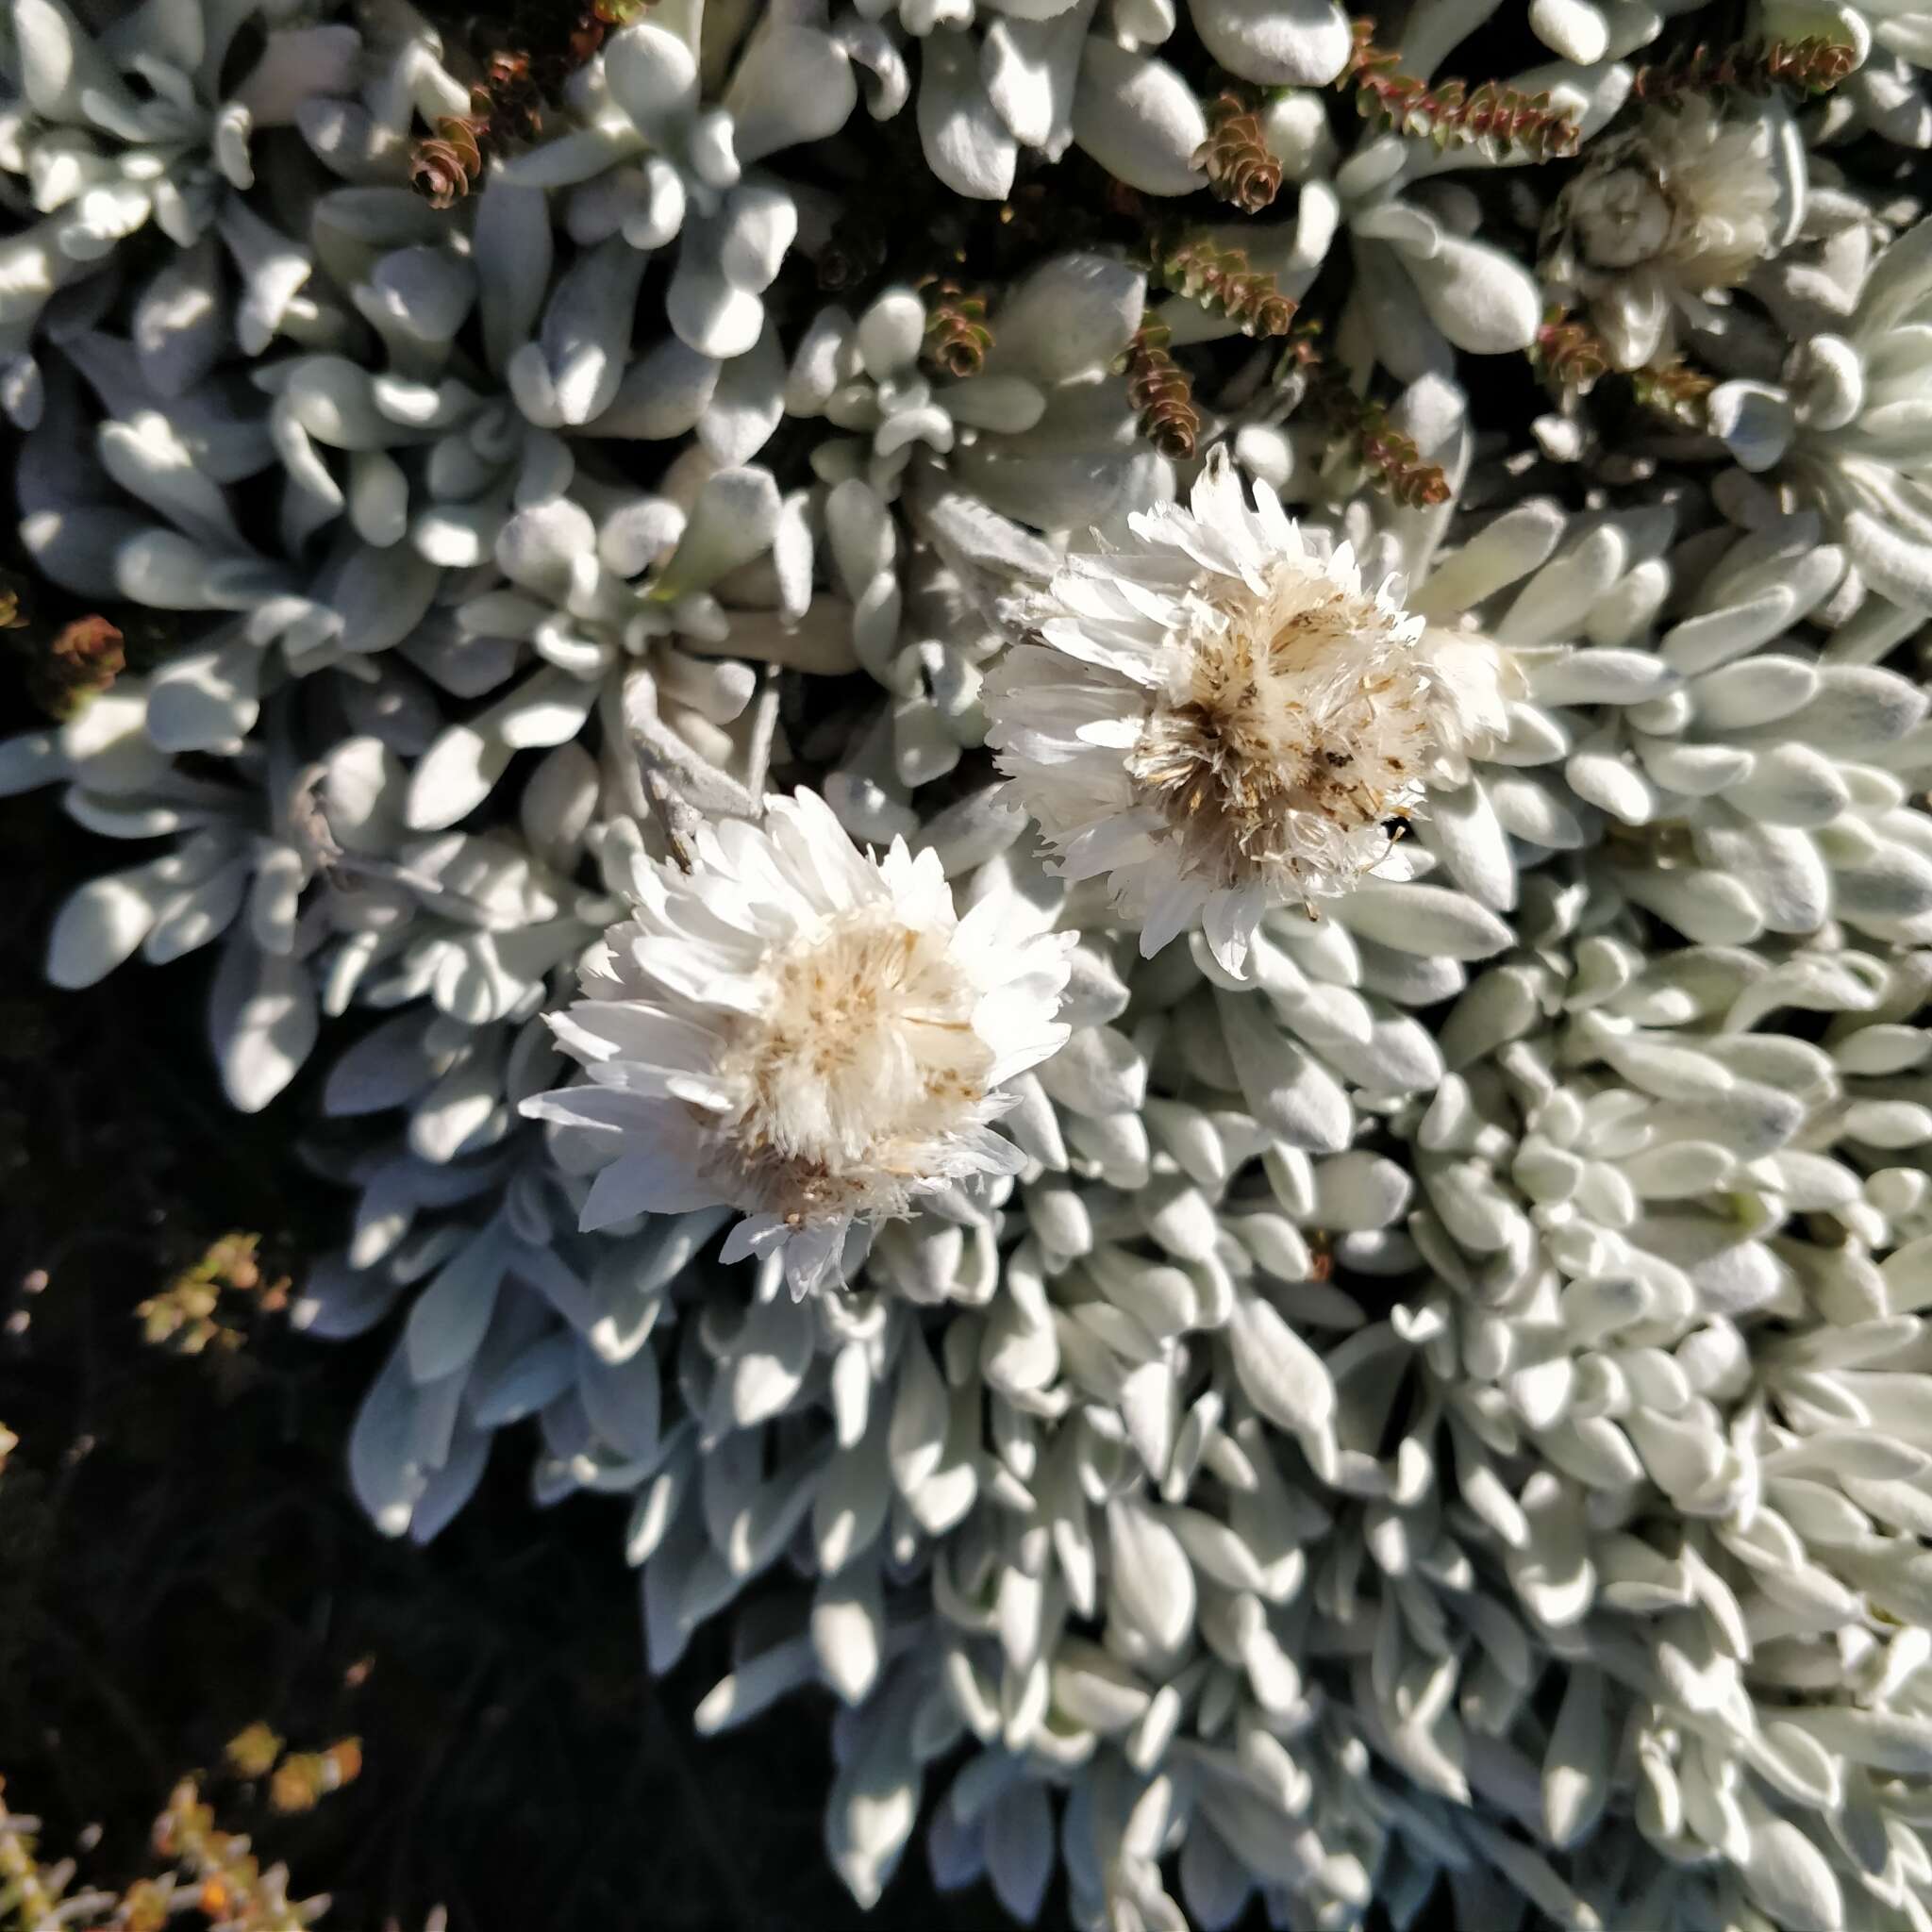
point(508, 105)
point(1450, 113)
point(304, 1778)
point(1219, 718)
point(1663, 220)
point(1673, 388)
point(1812, 65)
point(1158, 389)
point(252, 1751)
point(83, 661)
point(447, 164)
point(957, 334)
point(1388, 456)
point(190, 1317)
point(1567, 353)
point(1223, 281)
point(801, 1032)
point(1235, 156)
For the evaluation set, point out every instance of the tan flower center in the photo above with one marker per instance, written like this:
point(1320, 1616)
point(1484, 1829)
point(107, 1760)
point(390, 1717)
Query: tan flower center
point(862, 1055)
point(1302, 723)
point(1624, 218)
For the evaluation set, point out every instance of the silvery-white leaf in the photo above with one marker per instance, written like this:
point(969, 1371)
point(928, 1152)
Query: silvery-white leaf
point(1602, 677)
point(1898, 566)
point(887, 86)
point(1574, 28)
point(889, 332)
point(1889, 1740)
point(296, 64)
point(570, 374)
point(455, 777)
point(1151, 1583)
point(665, 392)
point(1479, 297)
point(1791, 1879)
point(382, 595)
point(1029, 68)
point(874, 1798)
point(263, 1021)
point(1757, 692)
point(1423, 919)
point(177, 325)
point(1304, 43)
point(792, 84)
point(150, 462)
point(1576, 1766)
point(1282, 1376)
point(29, 760)
point(747, 402)
point(769, 1357)
point(1754, 421)
point(966, 144)
point(201, 913)
point(1465, 831)
point(848, 1630)
point(1072, 315)
point(1138, 119)
point(1505, 550)
point(62, 69)
point(736, 517)
point(386, 1479)
point(448, 1319)
point(99, 925)
point(653, 77)
point(1099, 1072)
point(1215, 1883)
point(920, 1416)
point(450, 1485)
point(1286, 1089)
point(1019, 1848)
point(530, 1380)
point(512, 256)
point(1779, 869)
point(1359, 1191)
point(623, 1400)
point(463, 1112)
point(386, 1067)
point(1857, 708)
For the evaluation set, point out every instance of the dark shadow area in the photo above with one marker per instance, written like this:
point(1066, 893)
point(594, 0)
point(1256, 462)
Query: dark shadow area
point(179, 1555)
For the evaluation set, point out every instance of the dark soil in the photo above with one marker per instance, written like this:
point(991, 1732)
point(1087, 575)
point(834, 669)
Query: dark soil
point(179, 1555)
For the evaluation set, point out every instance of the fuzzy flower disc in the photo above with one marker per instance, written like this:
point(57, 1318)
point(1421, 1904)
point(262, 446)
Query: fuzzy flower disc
point(1221, 718)
point(801, 1032)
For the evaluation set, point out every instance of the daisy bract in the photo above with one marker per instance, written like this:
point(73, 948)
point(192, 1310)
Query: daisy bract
point(1222, 718)
point(1666, 218)
point(802, 1032)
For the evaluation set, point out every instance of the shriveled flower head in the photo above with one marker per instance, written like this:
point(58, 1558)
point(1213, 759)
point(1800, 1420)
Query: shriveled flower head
point(1220, 717)
point(1663, 218)
point(802, 1032)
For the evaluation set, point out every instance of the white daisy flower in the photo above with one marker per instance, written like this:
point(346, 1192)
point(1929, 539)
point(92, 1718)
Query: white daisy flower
point(1222, 719)
point(802, 1032)
point(1662, 220)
